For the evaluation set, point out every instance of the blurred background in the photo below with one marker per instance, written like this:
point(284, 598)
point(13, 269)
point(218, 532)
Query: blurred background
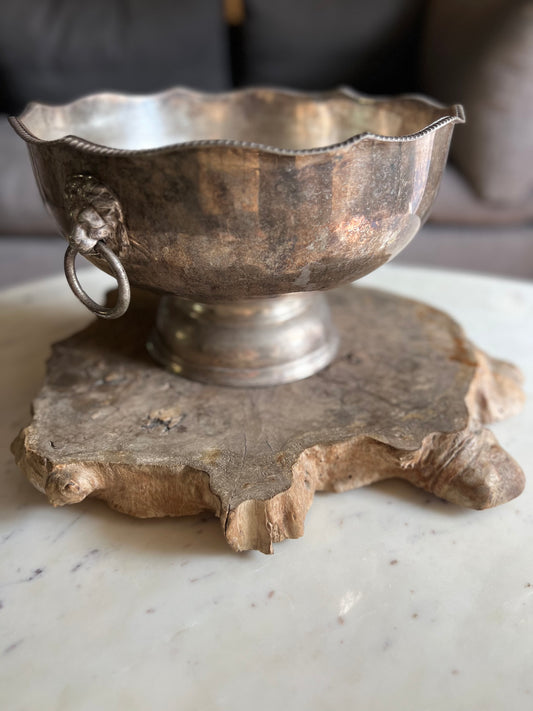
point(475, 52)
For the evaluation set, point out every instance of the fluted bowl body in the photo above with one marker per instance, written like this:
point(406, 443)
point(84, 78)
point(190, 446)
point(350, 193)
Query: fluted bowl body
point(251, 193)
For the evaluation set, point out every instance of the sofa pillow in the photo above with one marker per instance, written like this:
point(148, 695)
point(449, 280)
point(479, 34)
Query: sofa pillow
point(57, 50)
point(319, 44)
point(481, 54)
point(457, 203)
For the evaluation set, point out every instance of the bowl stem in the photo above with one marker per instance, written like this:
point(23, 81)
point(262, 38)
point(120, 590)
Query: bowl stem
point(249, 343)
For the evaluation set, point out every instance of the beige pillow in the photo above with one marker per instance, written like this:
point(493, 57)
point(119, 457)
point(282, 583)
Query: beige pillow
point(480, 53)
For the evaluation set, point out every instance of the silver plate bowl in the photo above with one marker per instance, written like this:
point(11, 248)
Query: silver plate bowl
point(224, 201)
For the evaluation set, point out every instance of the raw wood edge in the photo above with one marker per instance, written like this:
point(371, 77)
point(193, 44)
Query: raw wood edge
point(467, 468)
point(496, 390)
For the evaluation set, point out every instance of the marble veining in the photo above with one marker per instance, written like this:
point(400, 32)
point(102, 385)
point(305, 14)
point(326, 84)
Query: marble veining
point(392, 600)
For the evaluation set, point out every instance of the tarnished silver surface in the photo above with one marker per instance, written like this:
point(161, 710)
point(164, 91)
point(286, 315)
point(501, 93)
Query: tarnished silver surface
point(250, 194)
point(245, 343)
point(96, 216)
point(124, 292)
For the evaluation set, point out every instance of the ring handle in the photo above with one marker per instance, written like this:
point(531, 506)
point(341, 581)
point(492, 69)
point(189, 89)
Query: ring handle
point(124, 292)
point(97, 218)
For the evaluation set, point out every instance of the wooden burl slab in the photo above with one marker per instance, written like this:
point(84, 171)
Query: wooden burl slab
point(406, 397)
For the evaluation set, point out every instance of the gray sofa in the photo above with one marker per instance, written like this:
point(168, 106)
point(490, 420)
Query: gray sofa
point(477, 53)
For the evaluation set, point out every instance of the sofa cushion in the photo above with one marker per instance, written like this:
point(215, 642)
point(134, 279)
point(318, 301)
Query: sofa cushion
point(21, 208)
point(55, 51)
point(481, 54)
point(318, 44)
point(457, 203)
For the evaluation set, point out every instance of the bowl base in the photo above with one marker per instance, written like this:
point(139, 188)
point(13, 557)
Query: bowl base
point(249, 343)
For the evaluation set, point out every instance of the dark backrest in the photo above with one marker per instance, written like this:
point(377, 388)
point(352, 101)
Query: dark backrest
point(56, 50)
point(371, 45)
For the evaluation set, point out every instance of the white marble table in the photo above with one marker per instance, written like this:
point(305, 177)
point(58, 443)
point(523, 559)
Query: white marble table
point(393, 600)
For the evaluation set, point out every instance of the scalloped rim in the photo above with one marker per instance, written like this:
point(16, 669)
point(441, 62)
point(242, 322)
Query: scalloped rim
point(456, 115)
